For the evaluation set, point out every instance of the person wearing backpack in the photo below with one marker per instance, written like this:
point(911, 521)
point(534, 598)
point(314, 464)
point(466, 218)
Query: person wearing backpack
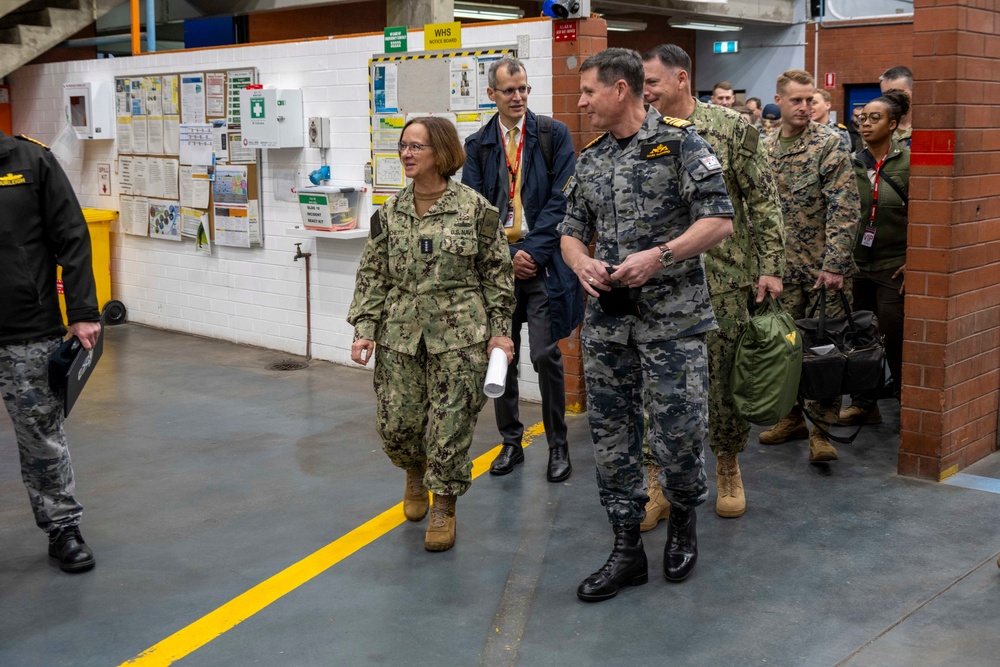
point(520, 162)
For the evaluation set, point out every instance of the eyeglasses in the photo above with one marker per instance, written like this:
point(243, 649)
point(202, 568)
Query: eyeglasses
point(414, 148)
point(509, 92)
point(874, 117)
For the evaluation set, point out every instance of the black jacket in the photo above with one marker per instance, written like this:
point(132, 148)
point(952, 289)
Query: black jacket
point(544, 204)
point(41, 225)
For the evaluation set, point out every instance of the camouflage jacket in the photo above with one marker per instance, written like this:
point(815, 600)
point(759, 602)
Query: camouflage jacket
point(757, 246)
point(446, 277)
point(845, 137)
point(635, 199)
point(819, 200)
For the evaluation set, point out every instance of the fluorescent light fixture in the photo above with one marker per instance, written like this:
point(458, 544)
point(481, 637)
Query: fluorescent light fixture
point(703, 25)
point(484, 12)
point(625, 25)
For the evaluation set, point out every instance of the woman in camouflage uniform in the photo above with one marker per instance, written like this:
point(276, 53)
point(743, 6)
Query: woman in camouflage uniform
point(435, 290)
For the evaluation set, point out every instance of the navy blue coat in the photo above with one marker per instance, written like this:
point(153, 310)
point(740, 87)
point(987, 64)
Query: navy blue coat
point(543, 203)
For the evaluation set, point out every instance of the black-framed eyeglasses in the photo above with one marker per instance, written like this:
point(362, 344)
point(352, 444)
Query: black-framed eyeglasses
point(874, 117)
point(414, 148)
point(509, 92)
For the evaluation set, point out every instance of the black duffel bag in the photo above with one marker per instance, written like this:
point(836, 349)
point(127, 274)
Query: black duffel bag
point(840, 355)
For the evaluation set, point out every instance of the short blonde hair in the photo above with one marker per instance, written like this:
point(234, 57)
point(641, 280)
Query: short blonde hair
point(796, 76)
point(449, 154)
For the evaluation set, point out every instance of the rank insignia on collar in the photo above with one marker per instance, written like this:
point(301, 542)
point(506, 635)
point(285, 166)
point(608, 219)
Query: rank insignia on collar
point(659, 149)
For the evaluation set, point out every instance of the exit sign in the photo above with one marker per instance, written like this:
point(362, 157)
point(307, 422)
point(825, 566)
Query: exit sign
point(727, 47)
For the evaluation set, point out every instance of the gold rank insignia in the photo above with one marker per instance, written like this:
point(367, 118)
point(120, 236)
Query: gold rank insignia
point(675, 122)
point(593, 142)
point(12, 179)
point(34, 141)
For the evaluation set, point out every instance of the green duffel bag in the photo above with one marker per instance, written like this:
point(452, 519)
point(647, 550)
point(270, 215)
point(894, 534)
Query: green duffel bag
point(767, 366)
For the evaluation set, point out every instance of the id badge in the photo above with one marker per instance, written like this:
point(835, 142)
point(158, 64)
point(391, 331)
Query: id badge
point(868, 237)
point(509, 222)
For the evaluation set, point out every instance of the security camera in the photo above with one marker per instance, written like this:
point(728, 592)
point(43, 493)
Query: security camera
point(565, 9)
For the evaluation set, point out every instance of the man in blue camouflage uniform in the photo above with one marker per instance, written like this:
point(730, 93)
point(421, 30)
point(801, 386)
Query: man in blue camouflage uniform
point(822, 101)
point(820, 204)
point(652, 191)
point(43, 226)
point(749, 264)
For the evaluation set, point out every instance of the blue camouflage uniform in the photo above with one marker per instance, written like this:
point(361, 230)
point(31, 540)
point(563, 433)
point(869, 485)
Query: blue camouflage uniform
point(635, 199)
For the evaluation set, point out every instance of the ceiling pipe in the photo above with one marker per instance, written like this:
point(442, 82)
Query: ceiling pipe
point(151, 26)
point(98, 41)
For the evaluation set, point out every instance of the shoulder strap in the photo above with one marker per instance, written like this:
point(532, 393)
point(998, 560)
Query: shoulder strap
point(895, 186)
point(545, 142)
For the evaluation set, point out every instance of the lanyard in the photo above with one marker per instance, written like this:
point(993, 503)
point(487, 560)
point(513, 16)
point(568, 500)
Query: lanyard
point(878, 171)
point(517, 164)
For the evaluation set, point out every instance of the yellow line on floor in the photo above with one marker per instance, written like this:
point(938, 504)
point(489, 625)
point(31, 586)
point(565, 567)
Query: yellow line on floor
point(188, 640)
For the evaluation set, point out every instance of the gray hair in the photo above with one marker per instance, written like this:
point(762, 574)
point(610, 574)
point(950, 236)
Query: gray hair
point(512, 64)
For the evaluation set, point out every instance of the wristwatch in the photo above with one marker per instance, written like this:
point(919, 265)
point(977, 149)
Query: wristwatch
point(666, 256)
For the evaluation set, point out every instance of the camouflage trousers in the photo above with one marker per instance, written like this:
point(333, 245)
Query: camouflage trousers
point(672, 377)
point(797, 300)
point(38, 425)
point(427, 409)
point(728, 432)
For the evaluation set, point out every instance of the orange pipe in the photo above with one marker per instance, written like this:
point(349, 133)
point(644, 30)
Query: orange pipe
point(136, 27)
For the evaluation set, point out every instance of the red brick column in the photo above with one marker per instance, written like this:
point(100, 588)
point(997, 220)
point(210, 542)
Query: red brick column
point(592, 36)
point(951, 353)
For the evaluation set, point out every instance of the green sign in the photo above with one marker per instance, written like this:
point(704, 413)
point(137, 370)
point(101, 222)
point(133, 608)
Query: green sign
point(395, 39)
point(257, 107)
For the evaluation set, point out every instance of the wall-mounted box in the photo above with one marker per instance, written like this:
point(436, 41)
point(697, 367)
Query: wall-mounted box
point(90, 109)
point(272, 118)
point(329, 208)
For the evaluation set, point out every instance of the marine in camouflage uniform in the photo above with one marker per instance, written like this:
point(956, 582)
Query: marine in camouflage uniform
point(431, 291)
point(820, 203)
point(635, 199)
point(42, 226)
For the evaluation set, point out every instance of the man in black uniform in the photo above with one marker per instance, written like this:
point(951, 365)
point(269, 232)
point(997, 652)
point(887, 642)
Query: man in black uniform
point(43, 226)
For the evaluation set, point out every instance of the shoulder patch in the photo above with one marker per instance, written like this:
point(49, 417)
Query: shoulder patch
point(491, 220)
point(657, 149)
point(376, 225)
point(34, 141)
point(593, 142)
point(676, 122)
point(750, 140)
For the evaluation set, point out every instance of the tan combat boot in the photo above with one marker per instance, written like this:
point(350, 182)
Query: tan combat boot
point(441, 529)
point(856, 414)
point(732, 502)
point(820, 448)
point(791, 427)
point(657, 509)
point(415, 498)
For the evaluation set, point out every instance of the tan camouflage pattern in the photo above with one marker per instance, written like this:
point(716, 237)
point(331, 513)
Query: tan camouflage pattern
point(446, 278)
point(427, 409)
point(819, 201)
point(757, 245)
point(635, 199)
point(37, 414)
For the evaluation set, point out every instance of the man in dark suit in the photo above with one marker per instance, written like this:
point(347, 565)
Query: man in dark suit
point(520, 162)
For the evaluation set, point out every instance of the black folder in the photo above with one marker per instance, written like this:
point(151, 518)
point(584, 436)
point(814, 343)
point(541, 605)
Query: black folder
point(70, 366)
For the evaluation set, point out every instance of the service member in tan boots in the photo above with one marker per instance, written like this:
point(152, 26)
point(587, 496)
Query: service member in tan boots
point(435, 290)
point(819, 200)
point(755, 253)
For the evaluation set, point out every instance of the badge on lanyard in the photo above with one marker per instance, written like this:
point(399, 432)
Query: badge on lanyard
point(868, 237)
point(510, 217)
point(426, 246)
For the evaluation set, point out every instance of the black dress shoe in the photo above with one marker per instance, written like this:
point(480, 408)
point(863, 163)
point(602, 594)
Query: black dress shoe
point(509, 456)
point(626, 566)
point(681, 551)
point(67, 545)
point(559, 466)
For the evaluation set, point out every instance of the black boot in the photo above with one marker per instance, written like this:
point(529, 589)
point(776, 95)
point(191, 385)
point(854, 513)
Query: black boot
point(68, 546)
point(626, 566)
point(681, 551)
point(559, 468)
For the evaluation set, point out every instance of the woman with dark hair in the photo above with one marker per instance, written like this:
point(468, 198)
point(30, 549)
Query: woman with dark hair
point(435, 290)
point(882, 169)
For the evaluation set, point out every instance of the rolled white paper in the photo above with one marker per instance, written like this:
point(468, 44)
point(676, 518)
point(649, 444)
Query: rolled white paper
point(496, 374)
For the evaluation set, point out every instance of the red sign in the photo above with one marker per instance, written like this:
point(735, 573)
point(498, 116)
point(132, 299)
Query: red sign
point(829, 80)
point(933, 148)
point(564, 31)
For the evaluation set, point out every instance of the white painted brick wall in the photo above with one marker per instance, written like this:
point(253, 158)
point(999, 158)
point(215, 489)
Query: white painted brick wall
point(257, 296)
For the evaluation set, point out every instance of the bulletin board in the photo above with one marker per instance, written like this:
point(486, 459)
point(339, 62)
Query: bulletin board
point(182, 170)
point(451, 84)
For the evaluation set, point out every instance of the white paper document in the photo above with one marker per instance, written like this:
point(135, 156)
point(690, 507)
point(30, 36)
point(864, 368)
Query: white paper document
point(192, 98)
point(196, 144)
point(194, 186)
point(232, 226)
point(140, 145)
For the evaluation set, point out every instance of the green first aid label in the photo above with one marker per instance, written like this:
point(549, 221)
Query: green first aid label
point(257, 107)
point(319, 200)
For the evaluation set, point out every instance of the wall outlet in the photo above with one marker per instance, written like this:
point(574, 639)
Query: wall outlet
point(319, 132)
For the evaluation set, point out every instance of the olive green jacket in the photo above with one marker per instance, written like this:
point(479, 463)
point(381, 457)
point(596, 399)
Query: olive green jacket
point(888, 249)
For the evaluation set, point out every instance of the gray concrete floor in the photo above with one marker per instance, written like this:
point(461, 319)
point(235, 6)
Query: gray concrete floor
point(204, 474)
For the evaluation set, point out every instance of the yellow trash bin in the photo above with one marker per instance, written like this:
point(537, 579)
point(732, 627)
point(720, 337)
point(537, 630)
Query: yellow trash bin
point(99, 223)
